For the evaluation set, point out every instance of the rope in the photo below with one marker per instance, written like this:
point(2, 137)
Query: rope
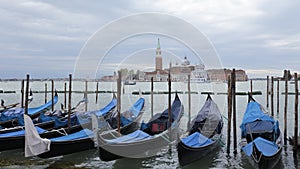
point(226, 118)
point(62, 133)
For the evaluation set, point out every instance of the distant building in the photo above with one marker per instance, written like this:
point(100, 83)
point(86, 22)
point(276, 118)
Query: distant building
point(181, 72)
point(199, 75)
point(222, 75)
point(159, 74)
point(108, 78)
point(241, 75)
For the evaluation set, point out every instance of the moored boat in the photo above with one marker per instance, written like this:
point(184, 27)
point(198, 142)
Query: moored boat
point(83, 139)
point(203, 136)
point(146, 141)
point(11, 117)
point(261, 137)
point(16, 137)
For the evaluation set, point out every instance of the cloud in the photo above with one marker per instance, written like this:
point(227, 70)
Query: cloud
point(246, 34)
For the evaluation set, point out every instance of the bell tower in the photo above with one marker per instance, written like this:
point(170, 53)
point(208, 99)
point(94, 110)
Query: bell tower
point(158, 58)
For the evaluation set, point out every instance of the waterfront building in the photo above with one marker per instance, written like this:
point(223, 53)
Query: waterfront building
point(199, 75)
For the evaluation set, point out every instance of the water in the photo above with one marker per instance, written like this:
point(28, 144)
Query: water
point(165, 158)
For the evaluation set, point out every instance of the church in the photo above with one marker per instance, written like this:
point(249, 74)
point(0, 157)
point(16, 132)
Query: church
point(179, 72)
point(158, 74)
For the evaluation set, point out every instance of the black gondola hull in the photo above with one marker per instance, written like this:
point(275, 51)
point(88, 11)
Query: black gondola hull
point(187, 154)
point(107, 156)
point(59, 148)
point(265, 162)
point(15, 142)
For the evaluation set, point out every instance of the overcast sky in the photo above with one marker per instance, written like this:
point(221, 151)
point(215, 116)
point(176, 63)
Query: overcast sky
point(44, 38)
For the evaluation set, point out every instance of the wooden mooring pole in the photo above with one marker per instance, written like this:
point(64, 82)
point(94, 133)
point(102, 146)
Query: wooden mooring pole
point(52, 95)
point(119, 100)
point(65, 96)
point(296, 115)
point(86, 95)
point(189, 101)
point(26, 94)
point(229, 101)
point(22, 94)
point(97, 91)
point(152, 87)
point(46, 90)
point(272, 96)
point(267, 92)
point(234, 111)
point(70, 102)
point(277, 96)
point(169, 110)
point(251, 88)
point(285, 107)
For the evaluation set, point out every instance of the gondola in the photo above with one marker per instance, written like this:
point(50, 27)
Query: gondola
point(11, 117)
point(146, 141)
point(203, 136)
point(261, 137)
point(16, 138)
point(48, 120)
point(84, 139)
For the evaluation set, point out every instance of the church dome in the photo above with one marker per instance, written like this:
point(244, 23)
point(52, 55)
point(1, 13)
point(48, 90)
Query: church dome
point(185, 62)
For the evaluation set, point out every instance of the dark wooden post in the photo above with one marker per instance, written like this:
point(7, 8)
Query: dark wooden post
point(296, 115)
point(169, 101)
point(285, 107)
point(251, 88)
point(22, 94)
point(152, 87)
point(26, 94)
point(86, 94)
point(52, 94)
point(119, 100)
point(70, 99)
point(123, 89)
point(278, 96)
point(234, 111)
point(97, 88)
point(169, 110)
point(65, 95)
point(46, 90)
point(229, 106)
point(272, 96)
point(189, 101)
point(267, 92)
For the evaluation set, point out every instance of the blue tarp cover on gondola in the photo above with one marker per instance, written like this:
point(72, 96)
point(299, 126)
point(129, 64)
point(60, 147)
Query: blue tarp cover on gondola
point(136, 108)
point(14, 113)
point(21, 133)
point(107, 108)
point(129, 116)
point(254, 113)
point(196, 140)
point(267, 148)
point(85, 117)
point(57, 121)
point(259, 127)
point(85, 133)
point(132, 137)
